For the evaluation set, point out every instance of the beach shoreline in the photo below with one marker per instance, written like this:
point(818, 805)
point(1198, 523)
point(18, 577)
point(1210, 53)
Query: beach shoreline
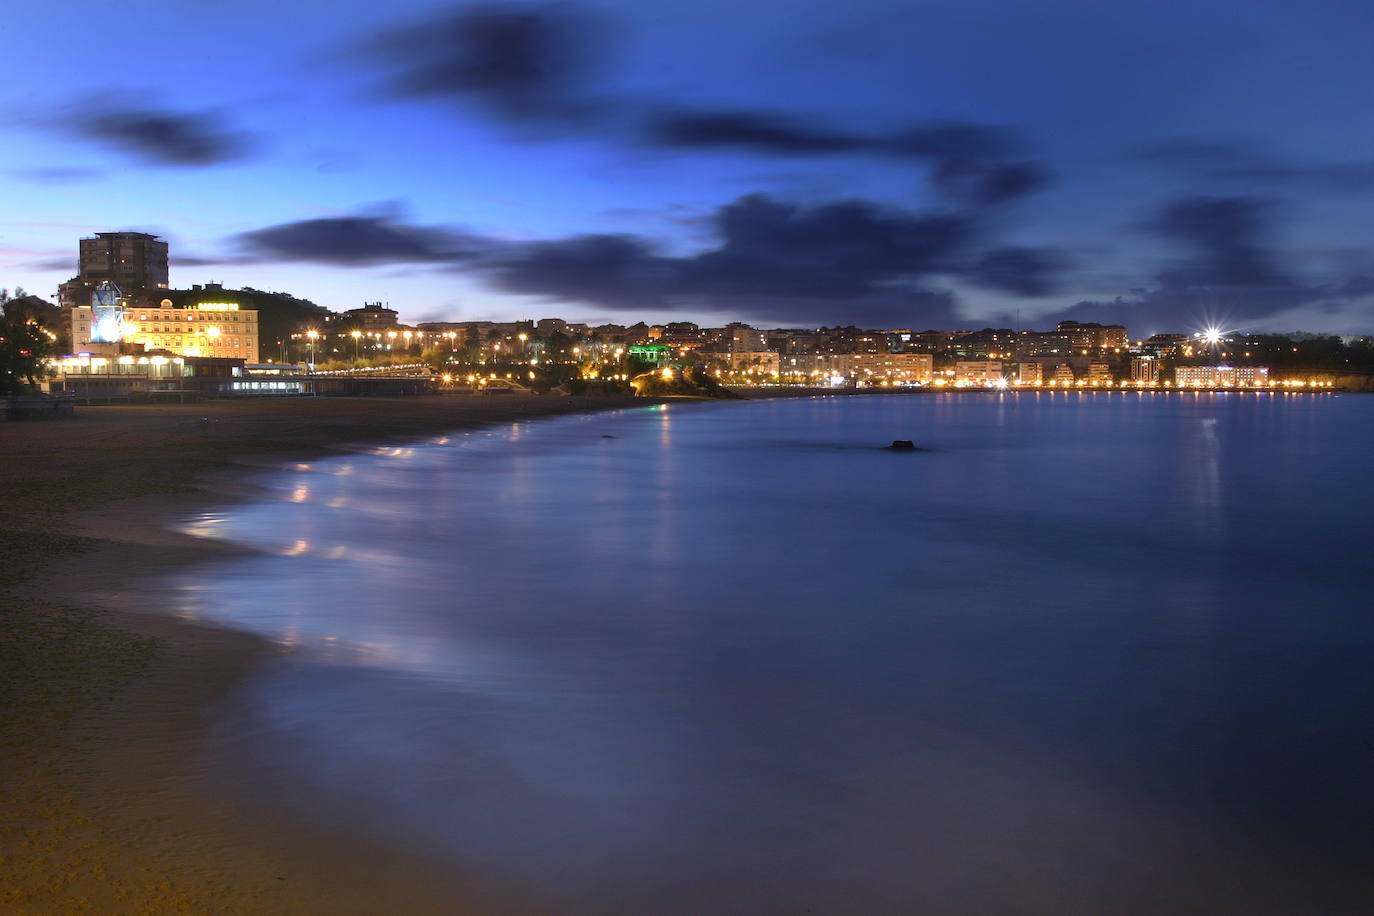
point(106, 805)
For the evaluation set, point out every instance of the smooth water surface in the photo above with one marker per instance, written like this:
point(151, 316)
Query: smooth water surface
point(1088, 653)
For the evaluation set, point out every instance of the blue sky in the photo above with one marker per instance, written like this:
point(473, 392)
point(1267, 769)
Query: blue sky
point(876, 163)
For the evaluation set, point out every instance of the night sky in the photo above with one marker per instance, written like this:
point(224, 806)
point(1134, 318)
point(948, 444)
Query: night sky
point(887, 164)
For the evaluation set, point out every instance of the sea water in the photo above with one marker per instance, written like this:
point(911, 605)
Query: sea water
point(1083, 653)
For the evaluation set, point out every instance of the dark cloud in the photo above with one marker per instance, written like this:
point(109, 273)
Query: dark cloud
point(990, 184)
point(968, 161)
point(837, 262)
point(753, 131)
point(1021, 271)
point(354, 241)
point(1242, 163)
point(833, 251)
point(843, 261)
point(1229, 273)
point(1225, 238)
point(616, 271)
point(528, 62)
point(531, 66)
point(160, 136)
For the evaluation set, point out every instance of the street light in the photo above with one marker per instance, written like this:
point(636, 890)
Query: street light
point(356, 335)
point(313, 335)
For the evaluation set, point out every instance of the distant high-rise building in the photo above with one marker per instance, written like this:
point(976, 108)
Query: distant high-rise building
point(1146, 370)
point(136, 262)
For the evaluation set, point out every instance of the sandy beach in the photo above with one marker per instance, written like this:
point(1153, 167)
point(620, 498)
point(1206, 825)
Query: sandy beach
point(104, 807)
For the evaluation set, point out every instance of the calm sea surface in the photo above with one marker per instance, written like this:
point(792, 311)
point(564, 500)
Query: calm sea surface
point(1088, 653)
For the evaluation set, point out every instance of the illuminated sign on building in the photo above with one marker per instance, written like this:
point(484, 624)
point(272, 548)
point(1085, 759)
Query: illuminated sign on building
point(107, 314)
point(216, 306)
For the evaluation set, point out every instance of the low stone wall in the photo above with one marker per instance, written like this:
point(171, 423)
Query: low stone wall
point(37, 407)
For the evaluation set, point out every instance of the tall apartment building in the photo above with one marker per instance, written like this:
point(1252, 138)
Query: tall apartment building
point(136, 262)
point(1146, 370)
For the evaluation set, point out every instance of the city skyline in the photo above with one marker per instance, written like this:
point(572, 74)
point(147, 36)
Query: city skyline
point(880, 166)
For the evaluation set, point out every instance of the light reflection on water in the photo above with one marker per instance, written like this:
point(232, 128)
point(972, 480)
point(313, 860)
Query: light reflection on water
point(1086, 654)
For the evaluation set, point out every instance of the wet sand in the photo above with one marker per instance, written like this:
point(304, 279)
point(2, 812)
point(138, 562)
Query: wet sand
point(105, 806)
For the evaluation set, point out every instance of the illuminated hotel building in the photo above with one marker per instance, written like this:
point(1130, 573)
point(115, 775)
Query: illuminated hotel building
point(204, 329)
point(1221, 376)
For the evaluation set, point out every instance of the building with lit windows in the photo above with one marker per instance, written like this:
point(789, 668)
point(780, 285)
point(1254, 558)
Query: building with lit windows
point(136, 262)
point(1091, 335)
point(977, 372)
point(1145, 370)
point(898, 367)
point(761, 362)
point(373, 317)
point(742, 338)
point(1221, 376)
point(216, 329)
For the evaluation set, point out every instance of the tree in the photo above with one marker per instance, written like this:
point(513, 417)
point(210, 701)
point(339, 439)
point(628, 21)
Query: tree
point(556, 346)
point(23, 345)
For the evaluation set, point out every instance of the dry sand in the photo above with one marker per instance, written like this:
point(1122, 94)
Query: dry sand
point(104, 806)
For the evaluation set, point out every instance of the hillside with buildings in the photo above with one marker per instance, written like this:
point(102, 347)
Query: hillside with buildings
point(118, 326)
